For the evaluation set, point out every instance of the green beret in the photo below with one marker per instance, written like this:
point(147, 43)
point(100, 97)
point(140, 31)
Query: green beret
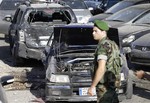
point(101, 25)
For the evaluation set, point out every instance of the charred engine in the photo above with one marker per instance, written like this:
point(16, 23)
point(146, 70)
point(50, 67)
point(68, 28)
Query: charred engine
point(78, 68)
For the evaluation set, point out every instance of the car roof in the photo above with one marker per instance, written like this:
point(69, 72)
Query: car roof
point(41, 5)
point(134, 0)
point(76, 25)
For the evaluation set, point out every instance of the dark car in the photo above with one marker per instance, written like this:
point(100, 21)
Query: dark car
point(140, 50)
point(68, 60)
point(132, 30)
point(117, 7)
point(99, 6)
point(7, 7)
point(32, 25)
point(95, 5)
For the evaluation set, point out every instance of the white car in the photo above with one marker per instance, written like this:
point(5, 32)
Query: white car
point(80, 9)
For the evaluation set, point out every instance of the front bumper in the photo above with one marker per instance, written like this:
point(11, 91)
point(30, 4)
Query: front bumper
point(25, 52)
point(140, 57)
point(65, 92)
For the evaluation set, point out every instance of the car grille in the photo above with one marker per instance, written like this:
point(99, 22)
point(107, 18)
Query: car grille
point(145, 48)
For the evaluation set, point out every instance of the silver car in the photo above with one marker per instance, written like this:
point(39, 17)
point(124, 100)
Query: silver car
point(7, 7)
point(80, 9)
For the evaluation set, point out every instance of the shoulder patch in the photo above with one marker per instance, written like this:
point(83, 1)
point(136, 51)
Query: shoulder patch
point(107, 46)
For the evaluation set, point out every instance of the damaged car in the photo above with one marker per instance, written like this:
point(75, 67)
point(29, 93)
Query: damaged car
point(68, 60)
point(31, 27)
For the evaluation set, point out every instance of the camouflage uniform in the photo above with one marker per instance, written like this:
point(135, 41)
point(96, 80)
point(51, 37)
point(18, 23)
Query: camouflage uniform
point(106, 50)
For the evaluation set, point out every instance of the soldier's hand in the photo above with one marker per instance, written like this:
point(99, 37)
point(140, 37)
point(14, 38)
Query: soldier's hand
point(91, 91)
point(140, 74)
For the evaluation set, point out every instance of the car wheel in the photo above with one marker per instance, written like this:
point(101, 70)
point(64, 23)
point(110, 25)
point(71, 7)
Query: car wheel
point(129, 88)
point(16, 60)
point(11, 43)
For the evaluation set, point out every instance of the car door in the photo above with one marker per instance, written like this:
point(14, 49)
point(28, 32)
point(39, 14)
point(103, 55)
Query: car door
point(14, 27)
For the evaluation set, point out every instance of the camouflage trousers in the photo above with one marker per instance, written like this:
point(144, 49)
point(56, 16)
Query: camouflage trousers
point(106, 96)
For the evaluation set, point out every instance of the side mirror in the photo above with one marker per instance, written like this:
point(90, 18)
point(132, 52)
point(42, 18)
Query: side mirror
point(7, 18)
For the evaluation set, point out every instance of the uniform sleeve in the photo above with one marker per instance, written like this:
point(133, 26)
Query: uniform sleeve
point(103, 51)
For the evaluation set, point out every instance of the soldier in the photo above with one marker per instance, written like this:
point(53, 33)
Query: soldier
point(105, 65)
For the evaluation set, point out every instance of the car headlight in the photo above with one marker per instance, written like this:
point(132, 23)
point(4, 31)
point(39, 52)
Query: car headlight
point(59, 78)
point(82, 19)
point(128, 39)
point(31, 42)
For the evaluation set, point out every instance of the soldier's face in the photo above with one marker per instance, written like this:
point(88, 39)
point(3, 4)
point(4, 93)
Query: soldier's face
point(97, 33)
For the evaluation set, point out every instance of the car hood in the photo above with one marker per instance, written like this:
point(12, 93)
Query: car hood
point(143, 41)
point(99, 16)
point(114, 23)
point(127, 29)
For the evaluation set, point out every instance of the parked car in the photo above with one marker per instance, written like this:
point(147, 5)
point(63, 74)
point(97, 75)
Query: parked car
point(80, 9)
point(117, 7)
point(140, 50)
point(99, 6)
point(31, 27)
point(95, 5)
point(127, 15)
point(68, 60)
point(132, 30)
point(7, 7)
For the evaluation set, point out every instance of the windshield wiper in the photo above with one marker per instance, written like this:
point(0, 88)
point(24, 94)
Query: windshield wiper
point(115, 20)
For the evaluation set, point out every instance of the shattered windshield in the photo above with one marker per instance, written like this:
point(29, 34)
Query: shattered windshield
point(49, 15)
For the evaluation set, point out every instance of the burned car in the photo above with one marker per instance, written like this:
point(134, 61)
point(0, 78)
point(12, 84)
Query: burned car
point(68, 60)
point(31, 27)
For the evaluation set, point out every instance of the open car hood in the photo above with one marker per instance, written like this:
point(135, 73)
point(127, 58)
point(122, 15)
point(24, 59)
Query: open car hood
point(78, 38)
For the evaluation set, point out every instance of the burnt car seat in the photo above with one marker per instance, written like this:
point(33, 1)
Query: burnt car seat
point(58, 18)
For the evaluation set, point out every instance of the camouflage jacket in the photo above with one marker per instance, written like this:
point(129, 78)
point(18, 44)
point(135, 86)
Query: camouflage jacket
point(109, 51)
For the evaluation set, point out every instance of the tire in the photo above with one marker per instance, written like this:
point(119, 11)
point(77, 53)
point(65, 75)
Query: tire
point(3, 98)
point(17, 61)
point(129, 88)
point(11, 43)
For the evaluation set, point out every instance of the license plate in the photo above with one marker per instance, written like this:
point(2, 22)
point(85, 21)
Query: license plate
point(84, 91)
